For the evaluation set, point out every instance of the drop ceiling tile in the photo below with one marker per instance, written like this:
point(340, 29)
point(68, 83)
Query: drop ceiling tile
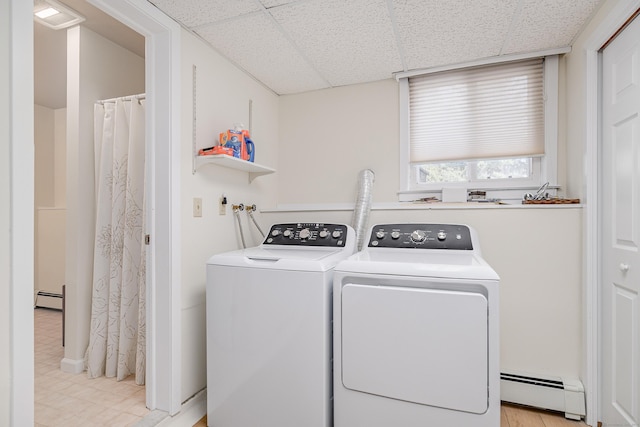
point(275, 3)
point(435, 32)
point(192, 13)
point(263, 52)
point(346, 41)
point(300, 45)
point(544, 24)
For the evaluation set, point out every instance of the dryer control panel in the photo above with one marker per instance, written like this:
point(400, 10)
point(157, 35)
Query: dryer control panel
point(307, 234)
point(421, 236)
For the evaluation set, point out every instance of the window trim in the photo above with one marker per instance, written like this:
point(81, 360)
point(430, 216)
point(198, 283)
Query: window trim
point(548, 163)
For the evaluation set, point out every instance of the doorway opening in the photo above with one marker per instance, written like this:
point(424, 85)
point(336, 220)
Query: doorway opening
point(63, 116)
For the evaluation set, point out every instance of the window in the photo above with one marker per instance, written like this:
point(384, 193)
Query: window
point(490, 127)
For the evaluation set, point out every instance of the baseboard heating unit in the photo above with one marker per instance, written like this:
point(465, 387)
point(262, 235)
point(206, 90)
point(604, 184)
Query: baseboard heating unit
point(553, 393)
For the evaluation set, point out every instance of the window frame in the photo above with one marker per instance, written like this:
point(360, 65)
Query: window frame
point(495, 184)
point(547, 166)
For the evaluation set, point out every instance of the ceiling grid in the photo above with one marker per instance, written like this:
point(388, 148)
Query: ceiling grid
point(296, 46)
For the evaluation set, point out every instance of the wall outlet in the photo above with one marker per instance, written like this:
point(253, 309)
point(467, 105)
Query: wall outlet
point(197, 207)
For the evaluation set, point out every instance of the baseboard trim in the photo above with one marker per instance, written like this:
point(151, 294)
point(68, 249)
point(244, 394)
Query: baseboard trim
point(72, 366)
point(190, 413)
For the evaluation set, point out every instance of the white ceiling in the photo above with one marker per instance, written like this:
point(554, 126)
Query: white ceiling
point(301, 45)
point(294, 46)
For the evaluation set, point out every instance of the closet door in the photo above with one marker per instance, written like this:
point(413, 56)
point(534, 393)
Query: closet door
point(620, 371)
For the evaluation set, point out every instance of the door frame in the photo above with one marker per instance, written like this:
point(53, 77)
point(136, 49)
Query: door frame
point(614, 20)
point(163, 115)
point(17, 73)
point(162, 82)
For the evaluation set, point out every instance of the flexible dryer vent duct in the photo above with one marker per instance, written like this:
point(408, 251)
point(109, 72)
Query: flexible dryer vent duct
point(363, 205)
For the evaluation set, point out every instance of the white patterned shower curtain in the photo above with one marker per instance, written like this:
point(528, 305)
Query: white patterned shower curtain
point(118, 330)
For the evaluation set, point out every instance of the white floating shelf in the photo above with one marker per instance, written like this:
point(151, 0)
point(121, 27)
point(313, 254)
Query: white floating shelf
point(255, 170)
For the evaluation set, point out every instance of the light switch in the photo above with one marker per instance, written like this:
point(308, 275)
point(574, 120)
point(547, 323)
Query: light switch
point(223, 205)
point(197, 207)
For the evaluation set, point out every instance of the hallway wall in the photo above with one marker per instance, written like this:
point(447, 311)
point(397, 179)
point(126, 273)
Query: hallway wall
point(49, 201)
point(96, 69)
point(44, 142)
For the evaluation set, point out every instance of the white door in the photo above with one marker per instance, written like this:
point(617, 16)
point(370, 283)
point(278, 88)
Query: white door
point(620, 366)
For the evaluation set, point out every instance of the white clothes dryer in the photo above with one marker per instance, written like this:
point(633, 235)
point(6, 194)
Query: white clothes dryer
point(416, 333)
point(269, 336)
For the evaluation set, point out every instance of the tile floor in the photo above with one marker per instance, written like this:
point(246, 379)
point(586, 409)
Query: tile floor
point(63, 399)
point(69, 400)
point(510, 416)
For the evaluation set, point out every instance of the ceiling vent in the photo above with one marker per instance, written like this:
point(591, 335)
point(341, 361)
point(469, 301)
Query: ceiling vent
point(55, 15)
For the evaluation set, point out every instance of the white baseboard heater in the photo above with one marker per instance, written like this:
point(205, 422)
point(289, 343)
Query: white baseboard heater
point(553, 393)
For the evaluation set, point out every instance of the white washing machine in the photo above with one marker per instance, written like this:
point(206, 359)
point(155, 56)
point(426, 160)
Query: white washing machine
point(269, 334)
point(416, 334)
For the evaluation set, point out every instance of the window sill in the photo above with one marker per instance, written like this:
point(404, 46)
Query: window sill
point(508, 195)
point(399, 206)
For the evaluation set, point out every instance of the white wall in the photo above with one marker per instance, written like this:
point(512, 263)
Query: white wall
point(44, 140)
point(49, 253)
point(321, 141)
point(223, 94)
point(344, 130)
point(576, 102)
point(60, 157)
point(49, 199)
point(537, 253)
point(96, 69)
point(50, 66)
point(328, 136)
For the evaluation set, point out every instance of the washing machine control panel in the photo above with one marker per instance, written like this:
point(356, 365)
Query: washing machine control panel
point(421, 236)
point(307, 234)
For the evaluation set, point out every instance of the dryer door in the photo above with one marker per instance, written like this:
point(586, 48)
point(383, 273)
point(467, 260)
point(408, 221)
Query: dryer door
point(424, 346)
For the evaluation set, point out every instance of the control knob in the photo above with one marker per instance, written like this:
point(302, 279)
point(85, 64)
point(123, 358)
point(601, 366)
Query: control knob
point(418, 236)
point(336, 234)
point(395, 235)
point(323, 234)
point(305, 233)
point(380, 234)
point(442, 235)
point(286, 233)
point(275, 233)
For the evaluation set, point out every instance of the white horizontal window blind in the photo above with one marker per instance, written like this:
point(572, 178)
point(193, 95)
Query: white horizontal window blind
point(487, 112)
